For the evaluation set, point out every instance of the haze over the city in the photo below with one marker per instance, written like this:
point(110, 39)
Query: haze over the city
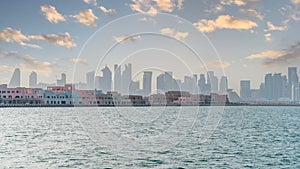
point(242, 39)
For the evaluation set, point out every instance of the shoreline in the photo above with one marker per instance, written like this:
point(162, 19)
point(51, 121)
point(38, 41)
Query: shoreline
point(168, 105)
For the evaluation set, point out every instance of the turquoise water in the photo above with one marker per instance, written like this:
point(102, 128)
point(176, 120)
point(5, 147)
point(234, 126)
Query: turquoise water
point(145, 137)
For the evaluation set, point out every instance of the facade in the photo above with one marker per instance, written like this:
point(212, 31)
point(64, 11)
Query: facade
point(223, 85)
point(117, 78)
point(157, 99)
point(21, 95)
point(90, 80)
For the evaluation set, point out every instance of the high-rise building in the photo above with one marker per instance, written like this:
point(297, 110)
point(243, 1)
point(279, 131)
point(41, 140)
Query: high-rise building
point(269, 86)
point(134, 87)
point(147, 81)
point(278, 86)
point(62, 81)
point(212, 81)
point(117, 78)
point(90, 80)
point(168, 81)
point(33, 80)
point(106, 81)
point(245, 89)
point(15, 80)
point(202, 84)
point(223, 85)
point(126, 78)
point(160, 83)
point(293, 79)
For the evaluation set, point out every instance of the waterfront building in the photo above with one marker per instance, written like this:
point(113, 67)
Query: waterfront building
point(117, 78)
point(223, 85)
point(157, 99)
point(90, 80)
point(62, 81)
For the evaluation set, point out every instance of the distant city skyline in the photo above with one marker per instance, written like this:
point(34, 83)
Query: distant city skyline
point(274, 87)
point(238, 39)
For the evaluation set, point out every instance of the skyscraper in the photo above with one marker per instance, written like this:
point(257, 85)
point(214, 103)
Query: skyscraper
point(202, 84)
point(106, 81)
point(33, 80)
point(63, 80)
point(212, 81)
point(278, 86)
point(223, 85)
point(90, 80)
point(293, 80)
point(160, 83)
point(126, 78)
point(117, 78)
point(245, 89)
point(15, 79)
point(147, 81)
point(269, 86)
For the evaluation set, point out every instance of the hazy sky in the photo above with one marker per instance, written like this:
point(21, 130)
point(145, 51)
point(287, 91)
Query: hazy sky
point(239, 38)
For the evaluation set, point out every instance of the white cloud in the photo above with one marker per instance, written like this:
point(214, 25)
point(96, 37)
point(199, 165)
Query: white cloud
point(224, 22)
point(78, 60)
point(217, 64)
point(126, 38)
point(176, 34)
point(253, 12)
point(272, 27)
point(268, 37)
point(6, 68)
point(152, 7)
point(87, 18)
point(12, 35)
point(295, 1)
point(269, 54)
point(52, 15)
point(236, 2)
point(64, 40)
point(94, 2)
point(107, 11)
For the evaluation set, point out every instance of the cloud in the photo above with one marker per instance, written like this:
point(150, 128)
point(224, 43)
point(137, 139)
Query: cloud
point(94, 2)
point(165, 5)
point(126, 38)
point(87, 18)
point(78, 60)
point(295, 1)
point(268, 37)
point(235, 2)
point(269, 54)
point(152, 7)
point(180, 4)
point(176, 34)
point(272, 27)
point(107, 11)
point(149, 20)
point(64, 40)
point(52, 15)
point(253, 13)
point(29, 63)
point(224, 22)
point(12, 35)
point(5, 68)
point(289, 56)
point(218, 64)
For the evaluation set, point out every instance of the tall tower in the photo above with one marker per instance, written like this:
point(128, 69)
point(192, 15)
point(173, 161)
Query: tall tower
point(15, 79)
point(33, 79)
point(147, 81)
point(117, 78)
point(245, 89)
point(223, 85)
point(126, 78)
point(90, 80)
point(106, 79)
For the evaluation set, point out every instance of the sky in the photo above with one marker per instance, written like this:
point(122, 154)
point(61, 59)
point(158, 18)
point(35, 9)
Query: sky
point(237, 38)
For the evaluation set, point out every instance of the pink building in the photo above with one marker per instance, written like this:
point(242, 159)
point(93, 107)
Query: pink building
point(20, 95)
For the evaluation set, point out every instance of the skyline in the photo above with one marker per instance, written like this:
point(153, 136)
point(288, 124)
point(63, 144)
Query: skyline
point(276, 86)
point(251, 37)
